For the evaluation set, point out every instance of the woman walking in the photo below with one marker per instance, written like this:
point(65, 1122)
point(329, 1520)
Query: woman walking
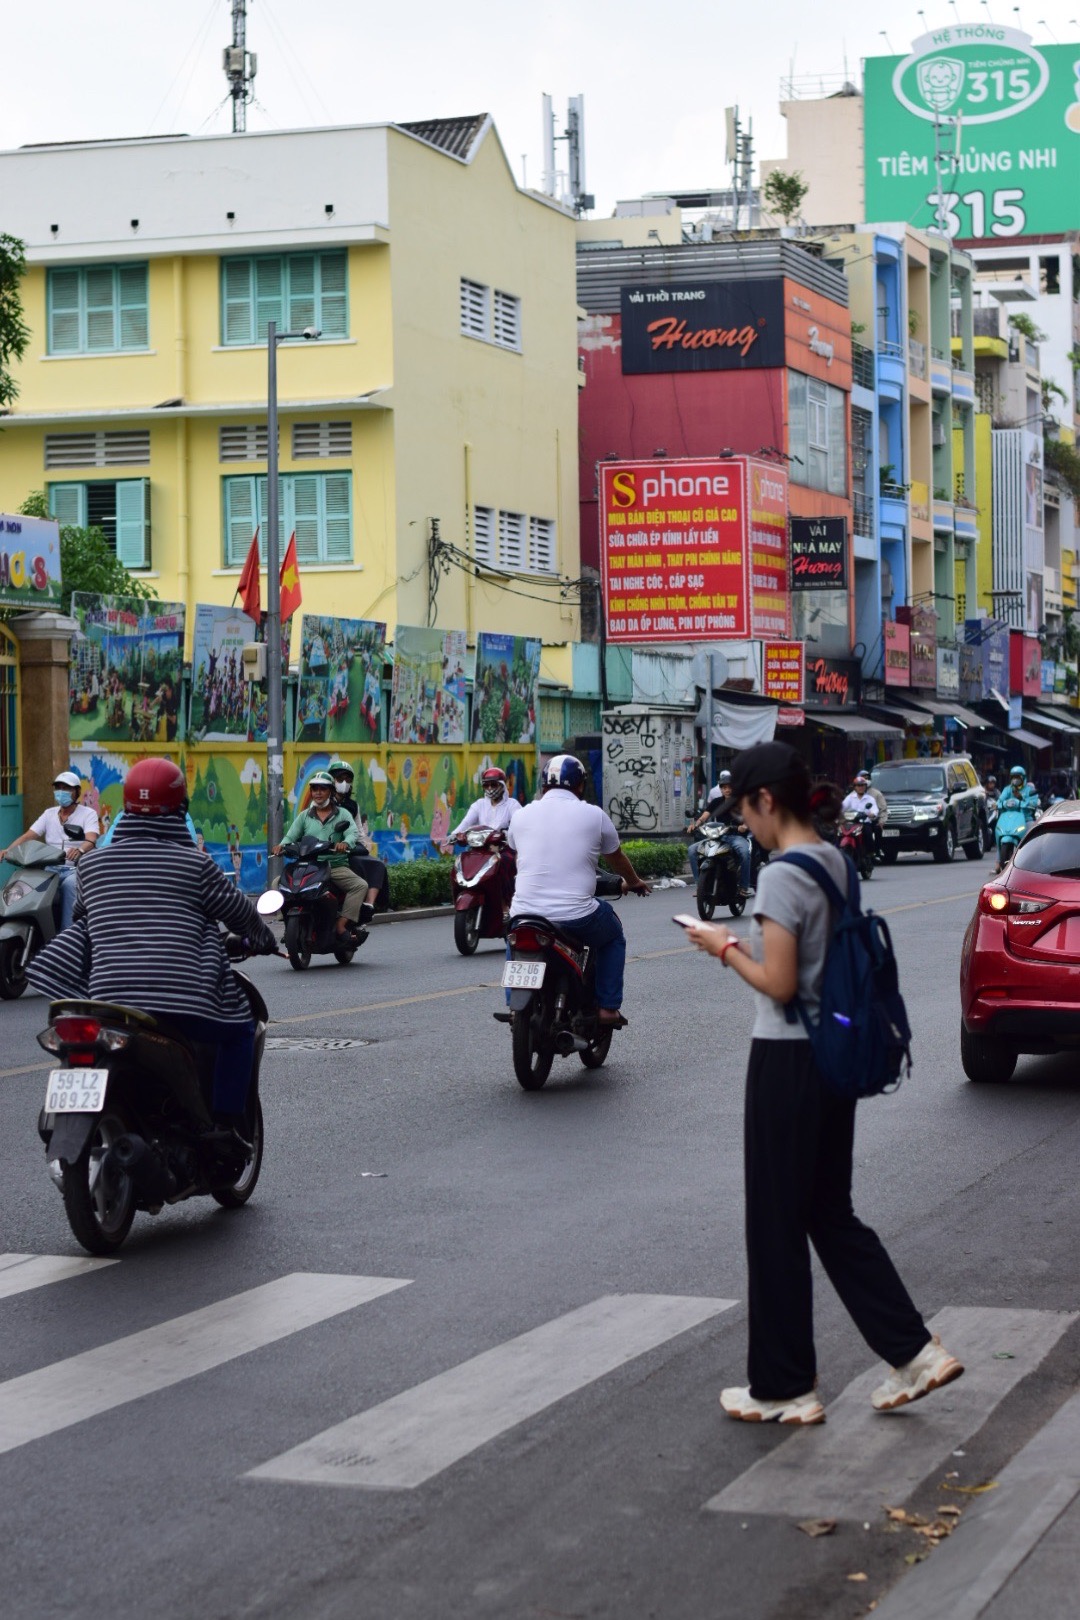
point(799, 1133)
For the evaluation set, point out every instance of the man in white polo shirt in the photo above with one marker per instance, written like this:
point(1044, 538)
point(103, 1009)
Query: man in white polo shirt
point(70, 826)
point(559, 841)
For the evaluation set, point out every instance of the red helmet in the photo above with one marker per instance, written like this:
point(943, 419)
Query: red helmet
point(492, 775)
point(155, 787)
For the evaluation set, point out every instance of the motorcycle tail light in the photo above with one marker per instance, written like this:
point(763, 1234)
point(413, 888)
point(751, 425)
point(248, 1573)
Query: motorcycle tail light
point(529, 939)
point(577, 959)
point(75, 1031)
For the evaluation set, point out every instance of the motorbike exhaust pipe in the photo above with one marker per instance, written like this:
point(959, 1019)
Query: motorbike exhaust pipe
point(153, 1179)
point(566, 1042)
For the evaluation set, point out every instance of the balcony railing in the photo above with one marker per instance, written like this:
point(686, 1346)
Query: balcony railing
point(862, 365)
point(917, 358)
point(863, 514)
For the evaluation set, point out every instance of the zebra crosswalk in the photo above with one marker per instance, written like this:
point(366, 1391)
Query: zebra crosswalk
point(21, 1272)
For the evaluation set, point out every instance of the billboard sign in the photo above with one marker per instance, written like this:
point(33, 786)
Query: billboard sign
point(948, 672)
point(783, 665)
point(677, 541)
point(819, 554)
point(29, 562)
point(897, 654)
point(1017, 171)
point(924, 646)
point(832, 683)
point(703, 326)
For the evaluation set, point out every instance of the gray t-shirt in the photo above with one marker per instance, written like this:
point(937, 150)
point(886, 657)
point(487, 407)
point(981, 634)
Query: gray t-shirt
point(793, 899)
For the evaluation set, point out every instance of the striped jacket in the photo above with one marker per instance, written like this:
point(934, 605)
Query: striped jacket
point(145, 931)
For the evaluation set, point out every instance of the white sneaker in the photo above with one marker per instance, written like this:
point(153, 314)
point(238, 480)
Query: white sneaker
point(801, 1409)
point(929, 1370)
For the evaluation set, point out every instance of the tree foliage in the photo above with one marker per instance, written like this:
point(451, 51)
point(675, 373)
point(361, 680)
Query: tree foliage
point(1026, 327)
point(1063, 462)
point(784, 193)
point(14, 332)
point(87, 560)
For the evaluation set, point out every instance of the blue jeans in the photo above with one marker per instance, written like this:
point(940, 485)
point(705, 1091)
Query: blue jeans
point(602, 931)
point(232, 1066)
point(66, 874)
point(741, 847)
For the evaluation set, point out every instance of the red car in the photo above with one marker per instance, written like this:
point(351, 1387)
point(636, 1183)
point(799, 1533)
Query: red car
point(1020, 967)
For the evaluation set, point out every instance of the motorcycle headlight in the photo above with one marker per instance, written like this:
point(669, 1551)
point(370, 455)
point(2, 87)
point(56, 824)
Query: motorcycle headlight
point(16, 890)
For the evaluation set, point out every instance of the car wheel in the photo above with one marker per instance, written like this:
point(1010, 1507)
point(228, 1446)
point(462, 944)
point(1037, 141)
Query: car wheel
point(976, 849)
point(945, 848)
point(986, 1060)
point(891, 855)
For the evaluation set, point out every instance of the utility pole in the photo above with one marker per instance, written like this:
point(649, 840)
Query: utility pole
point(240, 65)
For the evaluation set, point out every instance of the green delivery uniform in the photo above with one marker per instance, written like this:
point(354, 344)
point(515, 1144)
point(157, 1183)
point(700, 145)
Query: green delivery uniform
point(337, 828)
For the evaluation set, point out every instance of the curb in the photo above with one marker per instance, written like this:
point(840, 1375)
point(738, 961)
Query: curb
point(414, 914)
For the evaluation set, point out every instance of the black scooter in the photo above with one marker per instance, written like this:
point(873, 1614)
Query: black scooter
point(127, 1124)
point(311, 906)
point(718, 871)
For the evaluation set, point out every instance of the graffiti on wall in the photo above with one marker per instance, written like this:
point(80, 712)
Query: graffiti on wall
point(631, 776)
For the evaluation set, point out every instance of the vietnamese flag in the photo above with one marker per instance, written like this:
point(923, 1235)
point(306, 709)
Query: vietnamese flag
point(291, 596)
point(248, 588)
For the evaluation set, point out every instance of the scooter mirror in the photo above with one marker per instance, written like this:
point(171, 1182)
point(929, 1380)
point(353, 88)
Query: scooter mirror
point(270, 903)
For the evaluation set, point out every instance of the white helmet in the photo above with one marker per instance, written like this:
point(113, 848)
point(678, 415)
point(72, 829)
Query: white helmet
point(69, 779)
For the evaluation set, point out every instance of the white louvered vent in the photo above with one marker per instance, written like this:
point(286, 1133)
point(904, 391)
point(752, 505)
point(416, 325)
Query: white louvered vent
point(113, 448)
point(483, 534)
point(512, 540)
point(475, 303)
point(541, 546)
point(242, 441)
point(311, 439)
point(507, 331)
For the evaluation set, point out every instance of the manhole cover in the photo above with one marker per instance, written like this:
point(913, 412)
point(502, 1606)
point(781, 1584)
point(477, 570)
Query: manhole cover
point(312, 1043)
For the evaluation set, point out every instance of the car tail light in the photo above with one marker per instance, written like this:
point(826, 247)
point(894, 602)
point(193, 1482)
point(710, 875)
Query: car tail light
point(998, 902)
point(529, 939)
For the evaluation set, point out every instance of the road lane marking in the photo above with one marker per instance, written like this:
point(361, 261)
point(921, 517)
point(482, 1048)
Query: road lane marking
point(416, 1435)
point(53, 1398)
point(21, 1272)
point(862, 1458)
point(999, 1531)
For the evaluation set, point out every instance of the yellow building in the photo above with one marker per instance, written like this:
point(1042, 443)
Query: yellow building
point(441, 393)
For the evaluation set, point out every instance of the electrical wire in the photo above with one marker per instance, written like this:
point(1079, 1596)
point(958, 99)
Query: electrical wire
point(293, 61)
point(193, 51)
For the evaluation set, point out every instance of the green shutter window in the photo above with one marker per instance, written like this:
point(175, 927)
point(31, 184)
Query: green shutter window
point(133, 522)
point(67, 504)
point(316, 506)
point(333, 316)
point(64, 312)
point(301, 274)
point(237, 325)
point(337, 489)
point(133, 302)
point(99, 308)
point(306, 491)
point(268, 296)
point(240, 520)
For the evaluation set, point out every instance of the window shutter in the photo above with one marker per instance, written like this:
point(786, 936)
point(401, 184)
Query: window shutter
point(310, 439)
point(237, 325)
point(268, 296)
point(333, 315)
point(483, 528)
point(64, 312)
point(474, 308)
point(837, 413)
point(100, 307)
point(242, 441)
point(102, 449)
point(300, 272)
point(541, 546)
point(67, 504)
point(240, 520)
point(134, 306)
point(337, 489)
point(512, 541)
point(305, 491)
point(284, 522)
point(507, 320)
point(133, 522)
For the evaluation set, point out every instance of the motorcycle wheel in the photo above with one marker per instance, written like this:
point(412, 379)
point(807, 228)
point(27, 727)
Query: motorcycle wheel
point(706, 900)
point(737, 905)
point(596, 1052)
point(532, 1063)
point(99, 1209)
point(12, 978)
point(866, 868)
point(891, 856)
point(298, 941)
point(237, 1195)
point(467, 930)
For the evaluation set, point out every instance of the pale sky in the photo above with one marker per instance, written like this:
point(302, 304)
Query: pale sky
point(656, 74)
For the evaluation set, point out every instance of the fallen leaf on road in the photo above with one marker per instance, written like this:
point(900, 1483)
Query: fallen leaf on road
point(951, 1510)
point(816, 1527)
point(915, 1558)
point(1004, 1355)
point(860, 1576)
point(972, 1490)
point(902, 1516)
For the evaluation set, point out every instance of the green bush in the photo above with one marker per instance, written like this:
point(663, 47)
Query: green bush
point(419, 883)
point(653, 859)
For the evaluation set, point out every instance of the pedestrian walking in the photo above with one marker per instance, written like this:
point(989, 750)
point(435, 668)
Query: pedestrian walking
point(799, 1131)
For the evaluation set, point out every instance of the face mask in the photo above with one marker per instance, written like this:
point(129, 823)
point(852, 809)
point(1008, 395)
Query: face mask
point(62, 797)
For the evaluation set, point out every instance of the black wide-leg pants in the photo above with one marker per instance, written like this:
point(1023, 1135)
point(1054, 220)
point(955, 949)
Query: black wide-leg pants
point(799, 1137)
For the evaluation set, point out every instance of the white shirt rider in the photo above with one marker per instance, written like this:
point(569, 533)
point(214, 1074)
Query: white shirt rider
point(487, 813)
point(559, 840)
point(861, 801)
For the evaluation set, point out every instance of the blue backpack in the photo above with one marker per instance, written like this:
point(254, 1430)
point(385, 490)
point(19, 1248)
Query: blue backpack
point(861, 1040)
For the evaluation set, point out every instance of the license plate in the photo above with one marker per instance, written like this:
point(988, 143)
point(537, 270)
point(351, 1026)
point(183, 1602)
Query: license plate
point(891, 832)
point(76, 1091)
point(523, 975)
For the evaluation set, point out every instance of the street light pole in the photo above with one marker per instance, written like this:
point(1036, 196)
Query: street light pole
point(275, 704)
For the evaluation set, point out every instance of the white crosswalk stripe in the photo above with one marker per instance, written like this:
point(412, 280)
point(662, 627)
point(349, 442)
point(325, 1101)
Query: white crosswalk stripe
point(20, 1272)
point(417, 1434)
point(52, 1398)
point(861, 1458)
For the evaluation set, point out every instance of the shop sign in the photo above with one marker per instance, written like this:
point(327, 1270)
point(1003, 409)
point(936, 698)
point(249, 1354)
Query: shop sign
point(29, 562)
point(1016, 712)
point(1025, 664)
point(971, 672)
point(991, 648)
point(948, 672)
point(819, 548)
point(1061, 682)
point(1018, 164)
point(791, 717)
point(703, 326)
point(897, 654)
point(1046, 675)
point(832, 682)
point(694, 550)
point(923, 646)
point(782, 668)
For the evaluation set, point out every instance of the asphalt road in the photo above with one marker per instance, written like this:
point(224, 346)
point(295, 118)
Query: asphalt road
point(565, 1473)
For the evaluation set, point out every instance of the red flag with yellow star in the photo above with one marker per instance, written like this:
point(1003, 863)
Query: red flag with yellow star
point(291, 595)
point(248, 588)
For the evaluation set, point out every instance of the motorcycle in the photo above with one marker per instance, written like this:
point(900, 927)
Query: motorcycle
point(855, 841)
point(477, 888)
point(311, 906)
point(127, 1124)
point(1013, 820)
point(718, 872)
point(29, 912)
point(553, 1010)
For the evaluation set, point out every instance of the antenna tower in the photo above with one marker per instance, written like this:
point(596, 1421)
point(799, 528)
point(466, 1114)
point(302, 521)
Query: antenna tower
point(740, 156)
point(946, 158)
point(240, 65)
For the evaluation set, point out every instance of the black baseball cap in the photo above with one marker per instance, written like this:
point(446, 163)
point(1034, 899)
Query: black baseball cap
point(764, 765)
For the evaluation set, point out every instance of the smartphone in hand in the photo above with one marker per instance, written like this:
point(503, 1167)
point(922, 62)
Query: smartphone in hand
point(684, 920)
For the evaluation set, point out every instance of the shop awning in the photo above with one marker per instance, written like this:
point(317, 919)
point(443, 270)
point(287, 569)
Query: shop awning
point(856, 725)
point(953, 711)
point(1071, 722)
point(1038, 718)
point(910, 717)
point(1018, 734)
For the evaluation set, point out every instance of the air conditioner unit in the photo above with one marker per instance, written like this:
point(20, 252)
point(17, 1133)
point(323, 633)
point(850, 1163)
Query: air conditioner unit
point(938, 434)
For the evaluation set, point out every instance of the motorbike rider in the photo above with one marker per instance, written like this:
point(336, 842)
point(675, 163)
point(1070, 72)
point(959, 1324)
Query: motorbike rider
point(146, 931)
point(495, 808)
point(1018, 795)
point(559, 840)
point(364, 860)
point(992, 788)
point(71, 825)
point(862, 801)
point(737, 838)
point(325, 820)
